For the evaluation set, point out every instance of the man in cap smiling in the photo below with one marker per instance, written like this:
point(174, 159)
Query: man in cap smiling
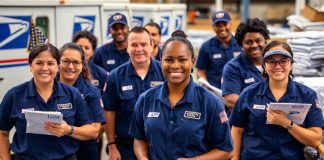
point(217, 51)
point(113, 54)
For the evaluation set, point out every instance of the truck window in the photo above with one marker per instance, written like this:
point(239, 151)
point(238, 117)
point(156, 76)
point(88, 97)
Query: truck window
point(42, 24)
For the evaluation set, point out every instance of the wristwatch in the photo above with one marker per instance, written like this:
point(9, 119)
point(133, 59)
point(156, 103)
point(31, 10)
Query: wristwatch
point(71, 131)
point(289, 127)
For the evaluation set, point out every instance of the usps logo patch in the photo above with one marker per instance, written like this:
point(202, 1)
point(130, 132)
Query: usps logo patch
point(153, 114)
point(192, 115)
point(155, 83)
point(258, 106)
point(127, 88)
point(95, 82)
point(111, 61)
point(26, 109)
point(217, 56)
point(219, 15)
point(223, 116)
point(117, 17)
point(249, 80)
point(64, 106)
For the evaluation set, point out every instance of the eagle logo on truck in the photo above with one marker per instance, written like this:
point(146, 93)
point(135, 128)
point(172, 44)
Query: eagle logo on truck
point(138, 21)
point(178, 22)
point(164, 24)
point(82, 23)
point(14, 31)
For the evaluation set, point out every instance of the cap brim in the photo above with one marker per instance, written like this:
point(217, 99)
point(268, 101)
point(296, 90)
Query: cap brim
point(117, 22)
point(277, 53)
point(220, 20)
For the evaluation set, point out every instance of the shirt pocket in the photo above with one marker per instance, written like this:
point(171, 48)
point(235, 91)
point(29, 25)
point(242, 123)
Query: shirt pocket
point(127, 101)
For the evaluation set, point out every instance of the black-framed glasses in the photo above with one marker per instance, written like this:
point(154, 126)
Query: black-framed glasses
point(67, 62)
point(282, 62)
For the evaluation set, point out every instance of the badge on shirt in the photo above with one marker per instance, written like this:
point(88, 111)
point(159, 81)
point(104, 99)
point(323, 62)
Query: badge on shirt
point(127, 88)
point(249, 80)
point(95, 82)
point(155, 83)
point(223, 116)
point(111, 61)
point(216, 56)
point(259, 106)
point(235, 54)
point(27, 109)
point(64, 106)
point(153, 114)
point(192, 115)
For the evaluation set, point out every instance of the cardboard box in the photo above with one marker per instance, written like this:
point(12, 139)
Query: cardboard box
point(312, 14)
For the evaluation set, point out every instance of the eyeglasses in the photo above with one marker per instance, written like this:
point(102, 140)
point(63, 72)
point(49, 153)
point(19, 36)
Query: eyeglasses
point(67, 62)
point(282, 62)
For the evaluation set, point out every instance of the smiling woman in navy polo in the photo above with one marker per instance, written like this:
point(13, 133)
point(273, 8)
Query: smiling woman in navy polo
point(44, 93)
point(281, 139)
point(180, 119)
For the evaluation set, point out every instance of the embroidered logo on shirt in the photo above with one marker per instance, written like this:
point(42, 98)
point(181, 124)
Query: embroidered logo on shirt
point(192, 115)
point(111, 61)
point(235, 54)
point(216, 56)
point(249, 80)
point(259, 106)
point(95, 82)
point(126, 88)
point(153, 114)
point(27, 109)
point(64, 106)
point(155, 83)
point(223, 116)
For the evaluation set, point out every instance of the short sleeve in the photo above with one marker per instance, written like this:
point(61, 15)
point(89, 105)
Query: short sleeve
point(314, 117)
point(6, 123)
point(238, 116)
point(137, 123)
point(83, 113)
point(218, 130)
point(231, 82)
point(93, 101)
point(203, 60)
point(97, 57)
point(109, 97)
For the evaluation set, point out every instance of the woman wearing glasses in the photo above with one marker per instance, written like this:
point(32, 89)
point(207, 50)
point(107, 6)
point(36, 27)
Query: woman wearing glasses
point(75, 72)
point(44, 93)
point(261, 133)
point(245, 69)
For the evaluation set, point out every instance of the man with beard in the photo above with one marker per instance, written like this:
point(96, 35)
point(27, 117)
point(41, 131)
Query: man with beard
point(155, 31)
point(217, 51)
point(113, 54)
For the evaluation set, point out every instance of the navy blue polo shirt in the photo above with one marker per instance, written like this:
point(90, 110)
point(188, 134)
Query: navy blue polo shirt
point(196, 125)
point(238, 74)
point(92, 97)
point(213, 56)
point(267, 141)
point(123, 89)
point(98, 76)
point(36, 146)
point(159, 55)
point(109, 57)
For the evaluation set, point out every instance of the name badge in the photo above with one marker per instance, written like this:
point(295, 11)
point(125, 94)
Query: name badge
point(249, 80)
point(27, 109)
point(95, 82)
point(112, 61)
point(155, 83)
point(258, 106)
point(153, 114)
point(192, 115)
point(235, 54)
point(127, 88)
point(64, 106)
point(216, 56)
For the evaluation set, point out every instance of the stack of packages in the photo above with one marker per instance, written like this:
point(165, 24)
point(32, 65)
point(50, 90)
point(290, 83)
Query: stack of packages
point(308, 49)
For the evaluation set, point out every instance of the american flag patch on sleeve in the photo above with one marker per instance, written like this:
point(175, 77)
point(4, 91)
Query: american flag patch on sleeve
point(223, 116)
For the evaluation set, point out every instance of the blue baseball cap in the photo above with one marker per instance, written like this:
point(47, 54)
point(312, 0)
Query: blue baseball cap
point(221, 16)
point(277, 52)
point(117, 18)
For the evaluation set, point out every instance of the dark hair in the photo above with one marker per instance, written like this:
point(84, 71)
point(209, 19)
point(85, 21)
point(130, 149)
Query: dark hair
point(252, 25)
point(179, 35)
point(36, 50)
point(85, 69)
point(153, 24)
point(140, 30)
point(272, 45)
point(88, 35)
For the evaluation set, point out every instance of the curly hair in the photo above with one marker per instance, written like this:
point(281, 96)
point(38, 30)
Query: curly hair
point(252, 25)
